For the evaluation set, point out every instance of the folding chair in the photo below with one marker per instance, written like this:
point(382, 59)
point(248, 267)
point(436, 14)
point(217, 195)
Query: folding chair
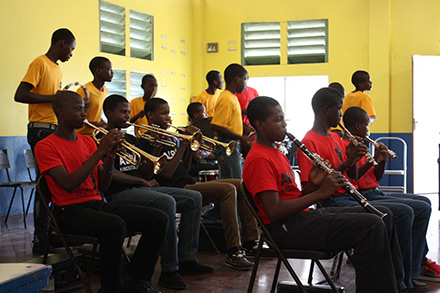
point(4, 165)
point(284, 254)
point(31, 184)
point(55, 235)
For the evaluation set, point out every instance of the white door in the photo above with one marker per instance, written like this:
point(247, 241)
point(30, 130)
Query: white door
point(426, 115)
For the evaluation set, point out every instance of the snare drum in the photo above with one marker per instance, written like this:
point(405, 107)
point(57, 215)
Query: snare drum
point(208, 175)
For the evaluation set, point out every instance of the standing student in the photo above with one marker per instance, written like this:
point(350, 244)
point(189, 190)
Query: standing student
point(412, 212)
point(37, 88)
point(130, 185)
point(227, 121)
point(283, 207)
point(225, 191)
point(149, 85)
point(209, 96)
point(102, 71)
point(75, 174)
point(244, 99)
point(358, 98)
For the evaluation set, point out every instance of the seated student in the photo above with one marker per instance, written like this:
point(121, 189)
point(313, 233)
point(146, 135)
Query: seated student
point(412, 212)
point(149, 85)
point(130, 186)
point(358, 97)
point(102, 71)
point(209, 96)
point(227, 121)
point(74, 172)
point(268, 176)
point(175, 174)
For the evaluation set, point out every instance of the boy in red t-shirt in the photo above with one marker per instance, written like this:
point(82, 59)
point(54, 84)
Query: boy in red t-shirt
point(268, 176)
point(72, 166)
point(412, 212)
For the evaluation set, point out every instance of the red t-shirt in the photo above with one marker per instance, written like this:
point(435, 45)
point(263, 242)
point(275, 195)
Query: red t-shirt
point(268, 169)
point(244, 98)
point(329, 148)
point(367, 181)
point(55, 151)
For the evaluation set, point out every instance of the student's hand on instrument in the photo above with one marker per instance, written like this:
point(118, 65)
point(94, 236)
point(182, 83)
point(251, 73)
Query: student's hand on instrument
point(191, 129)
point(355, 153)
point(381, 154)
point(332, 182)
point(150, 183)
point(317, 175)
point(110, 143)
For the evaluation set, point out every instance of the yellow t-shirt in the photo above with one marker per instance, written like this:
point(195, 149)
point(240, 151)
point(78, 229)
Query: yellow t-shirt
point(208, 101)
point(228, 113)
point(361, 100)
point(136, 105)
point(46, 78)
point(95, 110)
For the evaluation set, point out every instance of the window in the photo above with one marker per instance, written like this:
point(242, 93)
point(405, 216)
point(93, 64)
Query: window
point(135, 84)
point(118, 84)
point(307, 41)
point(141, 35)
point(261, 43)
point(112, 28)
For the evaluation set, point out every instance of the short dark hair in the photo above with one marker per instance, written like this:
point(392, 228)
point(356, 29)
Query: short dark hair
point(232, 71)
point(211, 76)
point(112, 101)
point(153, 104)
point(97, 62)
point(147, 77)
point(62, 98)
point(359, 77)
point(337, 86)
point(353, 115)
point(62, 34)
point(325, 97)
point(259, 109)
point(193, 108)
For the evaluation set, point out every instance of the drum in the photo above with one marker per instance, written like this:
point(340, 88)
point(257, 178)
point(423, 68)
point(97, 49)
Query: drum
point(208, 175)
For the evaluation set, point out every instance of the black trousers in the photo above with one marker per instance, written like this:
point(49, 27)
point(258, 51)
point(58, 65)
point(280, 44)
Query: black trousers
point(109, 222)
point(377, 258)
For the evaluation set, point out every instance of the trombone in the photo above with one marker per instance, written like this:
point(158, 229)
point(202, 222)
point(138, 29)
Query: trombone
point(229, 146)
point(154, 132)
point(158, 162)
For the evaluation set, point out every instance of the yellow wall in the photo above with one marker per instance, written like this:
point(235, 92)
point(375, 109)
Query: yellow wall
point(379, 36)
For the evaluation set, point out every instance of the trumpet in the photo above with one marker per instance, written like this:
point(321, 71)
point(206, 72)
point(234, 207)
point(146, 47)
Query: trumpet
point(154, 132)
point(228, 146)
point(353, 139)
point(354, 193)
point(158, 162)
point(389, 152)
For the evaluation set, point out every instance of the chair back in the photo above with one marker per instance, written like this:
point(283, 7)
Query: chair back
point(30, 161)
point(4, 162)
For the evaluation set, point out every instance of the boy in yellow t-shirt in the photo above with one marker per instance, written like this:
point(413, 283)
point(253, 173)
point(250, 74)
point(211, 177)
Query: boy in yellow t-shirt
point(209, 96)
point(149, 85)
point(102, 71)
point(227, 121)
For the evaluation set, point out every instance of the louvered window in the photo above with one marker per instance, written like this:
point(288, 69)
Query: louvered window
point(118, 84)
point(141, 35)
point(135, 84)
point(307, 41)
point(112, 28)
point(261, 43)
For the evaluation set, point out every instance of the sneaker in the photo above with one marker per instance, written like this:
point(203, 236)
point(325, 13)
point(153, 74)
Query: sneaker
point(194, 268)
point(238, 261)
point(250, 250)
point(172, 280)
point(136, 286)
point(430, 271)
point(418, 287)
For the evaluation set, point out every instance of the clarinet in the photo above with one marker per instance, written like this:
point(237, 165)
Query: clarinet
point(356, 195)
point(369, 157)
point(389, 152)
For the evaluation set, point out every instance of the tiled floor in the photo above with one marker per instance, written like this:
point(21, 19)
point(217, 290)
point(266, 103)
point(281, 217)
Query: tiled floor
point(15, 246)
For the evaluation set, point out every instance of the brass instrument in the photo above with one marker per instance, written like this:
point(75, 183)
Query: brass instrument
point(68, 86)
point(228, 146)
point(389, 152)
point(353, 139)
point(154, 133)
point(158, 162)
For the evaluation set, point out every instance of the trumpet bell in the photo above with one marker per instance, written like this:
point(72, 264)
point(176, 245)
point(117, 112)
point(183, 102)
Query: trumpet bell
point(159, 164)
point(196, 141)
point(230, 147)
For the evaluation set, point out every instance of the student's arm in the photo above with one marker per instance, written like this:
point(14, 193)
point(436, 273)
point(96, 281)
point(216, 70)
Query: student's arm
point(137, 116)
point(354, 154)
point(381, 157)
point(127, 179)
point(279, 209)
point(24, 95)
point(106, 151)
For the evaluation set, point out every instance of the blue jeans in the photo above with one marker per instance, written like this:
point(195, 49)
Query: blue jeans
point(170, 200)
point(229, 167)
point(41, 218)
point(411, 213)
